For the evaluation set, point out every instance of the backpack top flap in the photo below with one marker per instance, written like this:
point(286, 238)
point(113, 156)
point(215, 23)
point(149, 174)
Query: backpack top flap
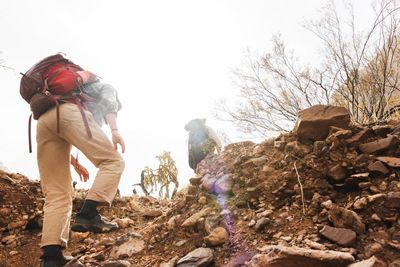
point(32, 80)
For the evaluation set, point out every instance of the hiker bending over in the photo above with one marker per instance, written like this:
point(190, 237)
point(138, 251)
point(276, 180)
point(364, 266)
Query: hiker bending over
point(53, 152)
point(68, 124)
point(202, 141)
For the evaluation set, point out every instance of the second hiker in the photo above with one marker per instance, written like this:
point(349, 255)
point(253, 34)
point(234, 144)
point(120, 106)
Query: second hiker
point(202, 141)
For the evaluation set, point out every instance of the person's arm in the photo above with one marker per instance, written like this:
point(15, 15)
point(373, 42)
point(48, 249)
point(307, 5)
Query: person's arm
point(82, 171)
point(107, 104)
point(106, 100)
point(111, 119)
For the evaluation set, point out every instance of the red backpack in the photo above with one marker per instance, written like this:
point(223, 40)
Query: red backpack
point(51, 81)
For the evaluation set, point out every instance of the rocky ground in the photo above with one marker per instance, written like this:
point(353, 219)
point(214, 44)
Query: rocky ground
point(327, 194)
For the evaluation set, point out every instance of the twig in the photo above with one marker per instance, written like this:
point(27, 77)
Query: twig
point(301, 188)
point(7, 67)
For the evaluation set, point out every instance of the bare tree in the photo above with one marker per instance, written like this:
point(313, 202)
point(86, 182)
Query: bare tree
point(361, 65)
point(359, 71)
point(274, 88)
point(3, 65)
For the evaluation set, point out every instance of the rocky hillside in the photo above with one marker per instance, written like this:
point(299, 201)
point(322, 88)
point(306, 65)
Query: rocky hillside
point(327, 194)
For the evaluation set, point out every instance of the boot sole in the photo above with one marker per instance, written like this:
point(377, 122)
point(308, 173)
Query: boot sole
point(71, 262)
point(90, 228)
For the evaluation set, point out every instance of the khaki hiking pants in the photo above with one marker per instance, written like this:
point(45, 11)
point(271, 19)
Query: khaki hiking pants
point(53, 155)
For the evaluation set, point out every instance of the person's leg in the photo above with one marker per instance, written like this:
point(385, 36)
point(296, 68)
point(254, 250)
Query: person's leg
point(198, 156)
point(192, 163)
point(100, 151)
point(53, 161)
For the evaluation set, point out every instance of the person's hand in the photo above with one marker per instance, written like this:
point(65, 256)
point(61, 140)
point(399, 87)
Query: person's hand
point(80, 170)
point(117, 139)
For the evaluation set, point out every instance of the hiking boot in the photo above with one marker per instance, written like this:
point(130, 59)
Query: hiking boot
point(61, 262)
point(97, 224)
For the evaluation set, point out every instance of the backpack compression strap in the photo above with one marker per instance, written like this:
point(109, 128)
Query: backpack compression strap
point(29, 133)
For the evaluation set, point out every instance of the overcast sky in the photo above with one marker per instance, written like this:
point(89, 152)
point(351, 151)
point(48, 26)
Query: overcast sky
point(169, 60)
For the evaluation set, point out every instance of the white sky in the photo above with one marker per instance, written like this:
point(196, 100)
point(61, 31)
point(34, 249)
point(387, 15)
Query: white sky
point(169, 60)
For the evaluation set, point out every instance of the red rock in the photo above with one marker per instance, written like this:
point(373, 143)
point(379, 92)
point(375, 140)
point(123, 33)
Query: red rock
point(171, 263)
point(361, 136)
point(364, 185)
point(240, 260)
point(314, 122)
point(341, 236)
point(360, 203)
point(119, 263)
point(382, 130)
point(299, 257)
point(393, 200)
point(394, 245)
point(363, 175)
point(356, 179)
point(190, 197)
point(344, 218)
point(296, 148)
point(379, 167)
point(192, 220)
point(371, 262)
point(258, 150)
point(395, 263)
point(18, 224)
point(5, 212)
point(373, 249)
point(379, 144)
point(198, 257)
point(390, 161)
point(260, 161)
point(195, 180)
point(78, 236)
point(191, 189)
point(337, 173)
point(319, 148)
point(217, 237)
point(208, 184)
point(152, 213)
point(339, 132)
point(223, 185)
point(132, 246)
point(261, 223)
point(124, 222)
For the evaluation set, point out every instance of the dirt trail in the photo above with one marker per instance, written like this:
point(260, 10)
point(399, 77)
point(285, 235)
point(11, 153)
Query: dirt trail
point(331, 195)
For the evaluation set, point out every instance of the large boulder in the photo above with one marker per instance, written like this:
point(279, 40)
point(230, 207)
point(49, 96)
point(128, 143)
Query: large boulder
point(371, 262)
point(341, 236)
point(217, 237)
point(314, 123)
point(192, 220)
point(344, 218)
point(200, 257)
point(380, 144)
point(133, 245)
point(277, 256)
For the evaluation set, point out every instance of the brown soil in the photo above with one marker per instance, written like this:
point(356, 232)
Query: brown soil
point(263, 178)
